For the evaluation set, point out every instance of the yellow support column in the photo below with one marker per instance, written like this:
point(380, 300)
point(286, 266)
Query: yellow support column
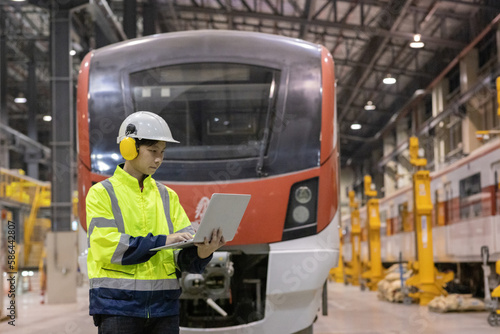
point(429, 282)
point(374, 275)
point(498, 95)
point(353, 268)
point(337, 274)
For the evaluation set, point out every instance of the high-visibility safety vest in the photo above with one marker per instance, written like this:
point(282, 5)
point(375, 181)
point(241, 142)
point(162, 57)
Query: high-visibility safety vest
point(123, 224)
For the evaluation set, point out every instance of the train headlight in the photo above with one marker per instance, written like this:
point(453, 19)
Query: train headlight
point(303, 194)
point(301, 214)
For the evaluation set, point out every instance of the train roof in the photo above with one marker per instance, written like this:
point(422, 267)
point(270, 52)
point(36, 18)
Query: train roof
point(212, 43)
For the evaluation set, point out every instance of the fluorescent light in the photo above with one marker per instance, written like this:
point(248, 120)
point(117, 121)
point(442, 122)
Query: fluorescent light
point(20, 99)
point(370, 106)
point(388, 80)
point(72, 53)
point(102, 166)
point(47, 118)
point(355, 126)
point(417, 43)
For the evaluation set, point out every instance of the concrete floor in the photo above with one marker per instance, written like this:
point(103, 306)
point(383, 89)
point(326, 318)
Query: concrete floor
point(350, 312)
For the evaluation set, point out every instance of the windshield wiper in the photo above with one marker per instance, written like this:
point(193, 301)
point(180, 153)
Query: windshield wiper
point(265, 139)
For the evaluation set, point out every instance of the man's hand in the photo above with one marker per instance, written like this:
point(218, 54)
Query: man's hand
point(207, 247)
point(178, 237)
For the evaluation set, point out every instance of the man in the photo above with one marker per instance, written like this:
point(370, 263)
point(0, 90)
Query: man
point(132, 289)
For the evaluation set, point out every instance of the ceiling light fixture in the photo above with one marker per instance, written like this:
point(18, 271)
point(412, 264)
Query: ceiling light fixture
point(417, 43)
point(47, 118)
point(419, 92)
point(355, 126)
point(389, 80)
point(20, 98)
point(370, 106)
point(72, 52)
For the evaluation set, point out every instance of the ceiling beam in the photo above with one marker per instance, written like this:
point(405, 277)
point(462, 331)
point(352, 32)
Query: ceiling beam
point(373, 90)
point(375, 55)
point(383, 69)
point(367, 30)
point(308, 14)
point(477, 4)
point(103, 15)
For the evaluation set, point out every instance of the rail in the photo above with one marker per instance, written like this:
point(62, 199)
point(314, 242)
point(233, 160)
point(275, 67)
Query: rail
point(34, 194)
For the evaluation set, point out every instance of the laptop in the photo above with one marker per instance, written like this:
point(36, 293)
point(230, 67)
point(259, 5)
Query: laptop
point(224, 211)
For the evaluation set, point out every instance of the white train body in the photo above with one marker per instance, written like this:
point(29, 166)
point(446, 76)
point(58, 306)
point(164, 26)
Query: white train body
point(465, 216)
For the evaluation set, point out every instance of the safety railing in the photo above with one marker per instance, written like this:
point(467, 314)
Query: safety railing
point(19, 188)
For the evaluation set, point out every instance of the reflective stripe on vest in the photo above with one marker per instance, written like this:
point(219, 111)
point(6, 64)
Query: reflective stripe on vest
point(99, 222)
point(117, 213)
point(134, 284)
point(188, 229)
point(166, 205)
point(123, 244)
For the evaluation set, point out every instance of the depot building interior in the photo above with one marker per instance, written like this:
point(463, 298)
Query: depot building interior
point(416, 128)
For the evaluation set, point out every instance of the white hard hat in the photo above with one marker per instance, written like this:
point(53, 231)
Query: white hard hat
point(145, 125)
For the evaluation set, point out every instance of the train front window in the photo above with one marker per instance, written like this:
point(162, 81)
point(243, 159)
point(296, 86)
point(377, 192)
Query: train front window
point(215, 110)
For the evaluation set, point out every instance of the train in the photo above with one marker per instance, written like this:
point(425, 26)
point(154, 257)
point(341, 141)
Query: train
point(254, 113)
point(465, 217)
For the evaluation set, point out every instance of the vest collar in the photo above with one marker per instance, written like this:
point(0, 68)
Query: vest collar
point(125, 178)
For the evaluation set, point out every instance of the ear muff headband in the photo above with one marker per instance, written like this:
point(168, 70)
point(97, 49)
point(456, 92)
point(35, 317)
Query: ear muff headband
point(128, 148)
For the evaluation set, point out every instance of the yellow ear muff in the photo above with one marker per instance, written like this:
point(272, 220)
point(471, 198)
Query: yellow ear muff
point(128, 148)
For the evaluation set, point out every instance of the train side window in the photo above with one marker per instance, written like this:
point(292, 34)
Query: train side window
point(495, 168)
point(469, 202)
point(448, 198)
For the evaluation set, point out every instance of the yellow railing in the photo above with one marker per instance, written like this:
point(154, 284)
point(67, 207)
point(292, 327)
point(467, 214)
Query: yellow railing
point(17, 187)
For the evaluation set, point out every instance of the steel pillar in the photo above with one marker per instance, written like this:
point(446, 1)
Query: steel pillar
point(32, 155)
point(4, 116)
point(62, 257)
point(473, 120)
point(130, 18)
point(100, 37)
point(62, 122)
point(148, 18)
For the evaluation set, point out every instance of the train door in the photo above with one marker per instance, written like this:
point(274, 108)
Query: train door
point(405, 224)
point(448, 203)
point(439, 207)
point(495, 172)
